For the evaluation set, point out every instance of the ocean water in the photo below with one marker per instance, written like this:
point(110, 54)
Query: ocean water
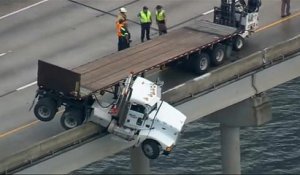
point(273, 148)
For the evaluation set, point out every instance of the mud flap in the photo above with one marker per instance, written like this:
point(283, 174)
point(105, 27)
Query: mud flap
point(33, 101)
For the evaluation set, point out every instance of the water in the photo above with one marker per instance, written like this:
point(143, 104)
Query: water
point(270, 149)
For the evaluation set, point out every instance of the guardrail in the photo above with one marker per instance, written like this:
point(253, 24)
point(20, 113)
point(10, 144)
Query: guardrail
point(175, 95)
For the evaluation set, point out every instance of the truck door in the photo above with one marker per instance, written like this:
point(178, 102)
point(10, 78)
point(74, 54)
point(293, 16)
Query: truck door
point(135, 116)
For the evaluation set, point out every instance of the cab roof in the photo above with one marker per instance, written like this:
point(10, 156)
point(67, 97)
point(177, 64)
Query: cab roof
point(145, 92)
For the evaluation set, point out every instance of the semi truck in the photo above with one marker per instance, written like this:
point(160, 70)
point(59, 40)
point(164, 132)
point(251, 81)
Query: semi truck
point(139, 113)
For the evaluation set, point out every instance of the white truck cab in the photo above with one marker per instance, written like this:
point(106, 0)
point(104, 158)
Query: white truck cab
point(144, 117)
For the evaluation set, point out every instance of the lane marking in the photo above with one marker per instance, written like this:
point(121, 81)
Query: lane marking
point(2, 54)
point(278, 22)
point(22, 127)
point(28, 7)
point(18, 129)
point(208, 12)
point(26, 86)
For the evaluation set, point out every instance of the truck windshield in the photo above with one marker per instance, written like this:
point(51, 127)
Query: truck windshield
point(138, 108)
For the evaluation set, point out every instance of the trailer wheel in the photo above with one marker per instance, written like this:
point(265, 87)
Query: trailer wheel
point(45, 109)
point(201, 63)
point(238, 43)
point(71, 118)
point(217, 54)
point(151, 149)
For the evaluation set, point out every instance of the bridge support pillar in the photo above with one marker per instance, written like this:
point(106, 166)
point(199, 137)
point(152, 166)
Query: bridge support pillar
point(254, 111)
point(140, 164)
point(230, 149)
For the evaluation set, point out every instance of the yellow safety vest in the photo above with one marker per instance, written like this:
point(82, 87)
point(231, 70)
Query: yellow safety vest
point(160, 16)
point(145, 18)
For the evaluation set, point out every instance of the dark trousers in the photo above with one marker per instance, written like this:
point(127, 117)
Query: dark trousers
point(162, 28)
point(285, 7)
point(122, 43)
point(145, 28)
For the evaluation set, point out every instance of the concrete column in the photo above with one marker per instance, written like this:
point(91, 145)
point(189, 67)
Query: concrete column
point(140, 164)
point(230, 148)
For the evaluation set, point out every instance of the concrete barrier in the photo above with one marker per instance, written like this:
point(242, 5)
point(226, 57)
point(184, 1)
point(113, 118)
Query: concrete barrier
point(48, 146)
point(214, 78)
point(282, 49)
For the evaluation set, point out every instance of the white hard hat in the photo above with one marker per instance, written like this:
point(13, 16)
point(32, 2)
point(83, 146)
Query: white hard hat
point(123, 10)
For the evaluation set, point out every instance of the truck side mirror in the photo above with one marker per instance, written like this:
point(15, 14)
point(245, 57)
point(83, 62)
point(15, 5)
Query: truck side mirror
point(146, 115)
point(159, 82)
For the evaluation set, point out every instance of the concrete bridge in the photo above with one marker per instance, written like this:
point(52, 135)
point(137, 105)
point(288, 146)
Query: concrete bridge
point(43, 30)
point(232, 95)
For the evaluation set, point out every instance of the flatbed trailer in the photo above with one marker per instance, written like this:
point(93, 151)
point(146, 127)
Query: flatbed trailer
point(178, 44)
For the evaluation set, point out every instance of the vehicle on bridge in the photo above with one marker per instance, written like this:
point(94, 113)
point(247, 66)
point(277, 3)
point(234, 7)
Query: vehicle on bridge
point(138, 114)
point(197, 46)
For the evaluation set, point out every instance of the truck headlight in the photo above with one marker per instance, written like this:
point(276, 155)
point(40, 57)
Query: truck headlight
point(169, 148)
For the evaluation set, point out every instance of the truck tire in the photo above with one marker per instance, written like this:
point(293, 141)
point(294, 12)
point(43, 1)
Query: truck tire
point(45, 109)
point(71, 118)
point(151, 149)
point(201, 63)
point(217, 55)
point(238, 43)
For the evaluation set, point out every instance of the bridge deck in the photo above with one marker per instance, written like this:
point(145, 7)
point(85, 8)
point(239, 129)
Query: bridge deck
point(106, 71)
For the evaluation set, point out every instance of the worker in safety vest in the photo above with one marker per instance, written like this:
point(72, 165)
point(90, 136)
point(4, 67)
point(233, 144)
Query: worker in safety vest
point(122, 15)
point(123, 35)
point(161, 19)
point(146, 21)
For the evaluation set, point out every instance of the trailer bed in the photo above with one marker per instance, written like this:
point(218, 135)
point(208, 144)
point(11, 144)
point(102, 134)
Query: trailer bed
point(107, 71)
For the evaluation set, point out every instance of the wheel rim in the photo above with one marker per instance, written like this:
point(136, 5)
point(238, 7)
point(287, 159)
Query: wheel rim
point(239, 43)
point(219, 55)
point(148, 150)
point(203, 64)
point(70, 122)
point(44, 112)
